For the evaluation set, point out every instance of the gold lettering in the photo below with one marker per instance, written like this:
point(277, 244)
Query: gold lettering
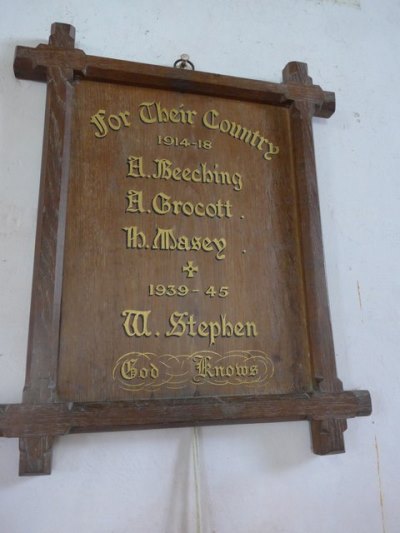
point(178, 325)
point(129, 370)
point(135, 202)
point(237, 131)
point(260, 143)
point(164, 169)
point(219, 371)
point(99, 122)
point(227, 327)
point(165, 239)
point(272, 150)
point(229, 371)
point(174, 116)
point(203, 330)
point(124, 116)
point(135, 239)
point(232, 368)
point(136, 323)
point(241, 133)
point(135, 167)
point(114, 122)
point(253, 370)
point(205, 369)
point(220, 245)
point(154, 372)
point(160, 204)
point(207, 245)
point(239, 328)
point(256, 138)
point(151, 112)
point(196, 244)
point(224, 126)
point(176, 174)
point(145, 113)
point(215, 331)
point(186, 174)
point(251, 329)
point(185, 324)
point(242, 370)
point(209, 119)
point(162, 113)
point(203, 366)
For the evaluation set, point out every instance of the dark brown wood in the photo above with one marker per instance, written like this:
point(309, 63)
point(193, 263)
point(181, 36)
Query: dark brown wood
point(32, 64)
point(83, 274)
point(35, 454)
point(327, 436)
point(43, 341)
point(63, 418)
point(270, 292)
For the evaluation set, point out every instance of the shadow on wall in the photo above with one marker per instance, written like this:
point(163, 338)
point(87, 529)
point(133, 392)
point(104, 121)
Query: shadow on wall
point(179, 514)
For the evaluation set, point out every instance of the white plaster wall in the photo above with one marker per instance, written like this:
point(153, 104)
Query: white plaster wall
point(233, 479)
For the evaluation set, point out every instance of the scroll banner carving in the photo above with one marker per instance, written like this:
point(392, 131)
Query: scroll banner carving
point(136, 371)
point(179, 276)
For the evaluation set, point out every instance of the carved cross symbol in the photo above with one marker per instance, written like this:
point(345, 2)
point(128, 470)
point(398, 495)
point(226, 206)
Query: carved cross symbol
point(190, 269)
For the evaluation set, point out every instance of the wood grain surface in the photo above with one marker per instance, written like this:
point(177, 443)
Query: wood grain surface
point(179, 271)
point(260, 266)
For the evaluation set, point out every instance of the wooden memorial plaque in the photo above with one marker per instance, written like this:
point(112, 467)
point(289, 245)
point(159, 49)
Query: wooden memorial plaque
point(179, 276)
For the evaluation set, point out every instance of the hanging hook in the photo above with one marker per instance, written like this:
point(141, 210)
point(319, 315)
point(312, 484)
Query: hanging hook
point(184, 62)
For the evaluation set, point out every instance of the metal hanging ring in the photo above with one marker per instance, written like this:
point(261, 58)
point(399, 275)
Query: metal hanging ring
point(183, 62)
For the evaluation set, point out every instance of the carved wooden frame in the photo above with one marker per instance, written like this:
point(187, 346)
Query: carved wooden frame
point(41, 417)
